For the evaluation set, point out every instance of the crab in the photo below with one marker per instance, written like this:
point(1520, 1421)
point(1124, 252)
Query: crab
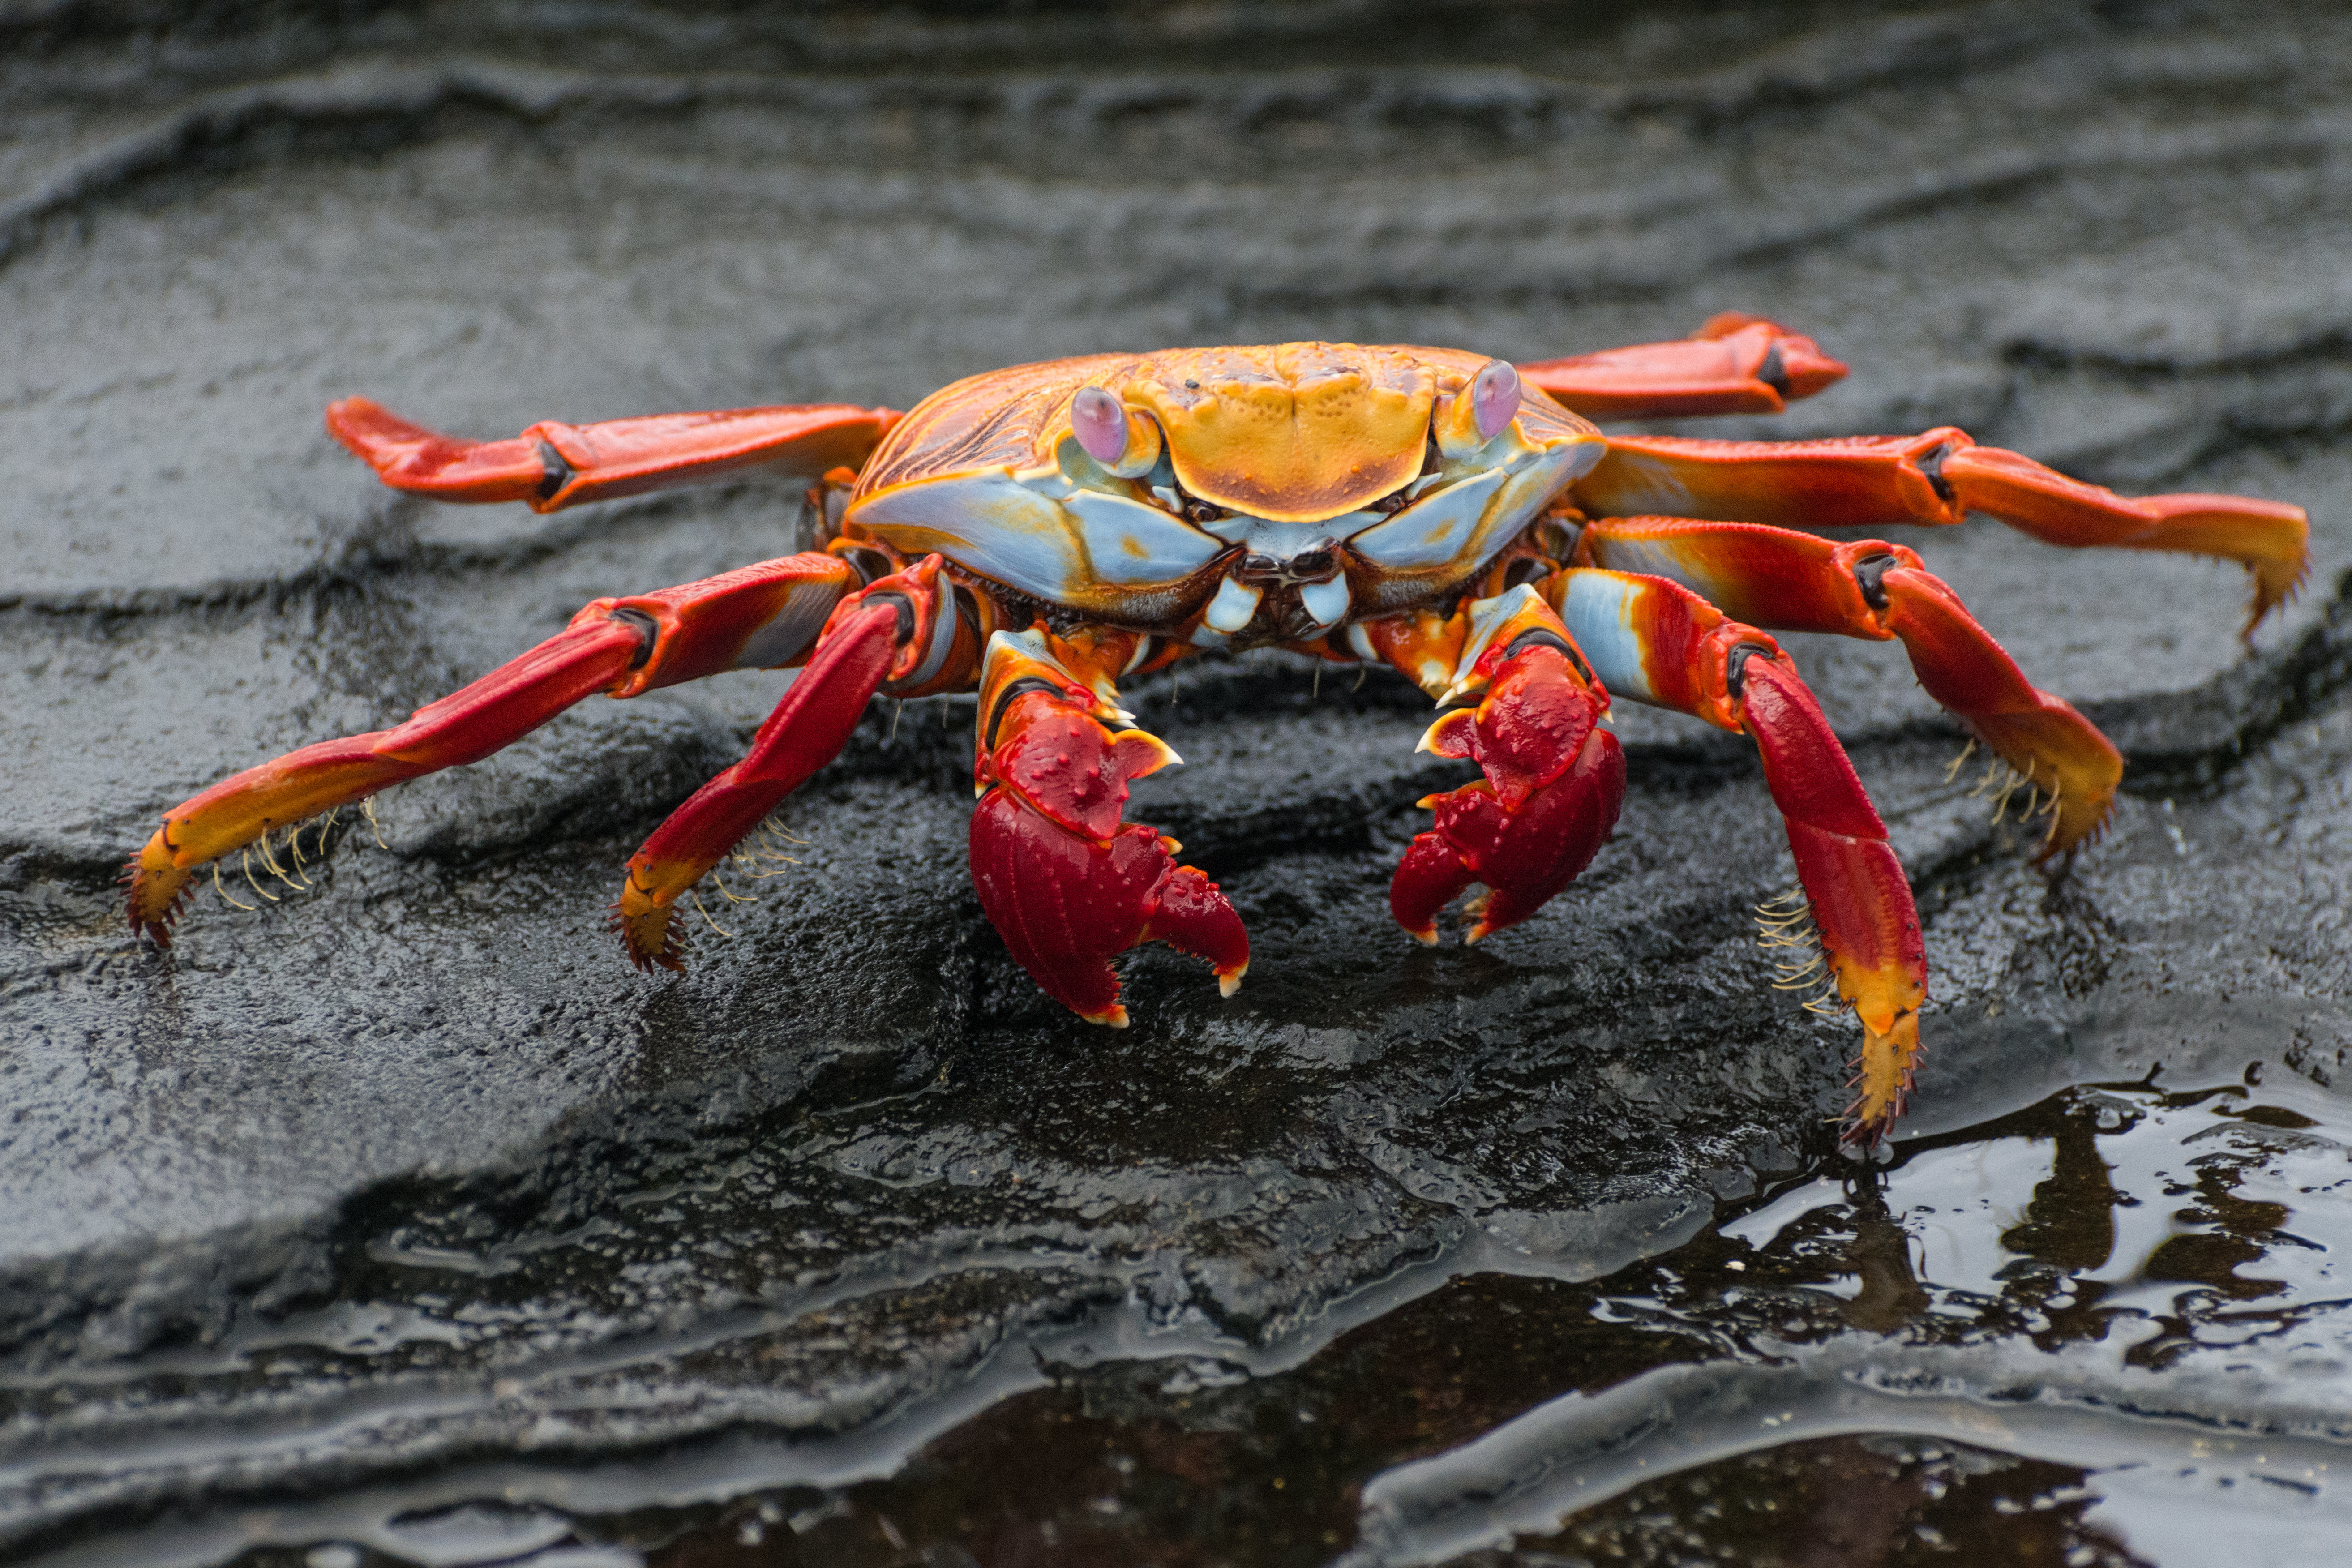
point(1038, 534)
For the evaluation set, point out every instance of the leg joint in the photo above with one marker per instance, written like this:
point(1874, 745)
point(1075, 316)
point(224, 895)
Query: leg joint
point(1018, 687)
point(1735, 665)
point(1870, 575)
point(1931, 468)
point(648, 632)
point(1544, 637)
point(557, 473)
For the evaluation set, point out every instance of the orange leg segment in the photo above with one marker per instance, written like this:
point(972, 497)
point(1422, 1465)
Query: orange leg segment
point(760, 616)
point(1064, 880)
point(552, 466)
point(1870, 481)
point(1658, 642)
point(1735, 365)
point(1784, 581)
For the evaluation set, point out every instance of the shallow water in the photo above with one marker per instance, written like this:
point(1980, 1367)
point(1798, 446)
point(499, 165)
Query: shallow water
point(2112, 1328)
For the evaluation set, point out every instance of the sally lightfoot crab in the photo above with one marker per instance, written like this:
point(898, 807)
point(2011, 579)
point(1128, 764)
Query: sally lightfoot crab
point(1038, 534)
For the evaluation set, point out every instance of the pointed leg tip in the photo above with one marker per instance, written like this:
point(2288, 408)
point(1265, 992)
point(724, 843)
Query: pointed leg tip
point(1886, 1072)
point(1111, 1017)
point(1426, 935)
point(156, 890)
point(648, 934)
point(1230, 982)
point(1860, 1140)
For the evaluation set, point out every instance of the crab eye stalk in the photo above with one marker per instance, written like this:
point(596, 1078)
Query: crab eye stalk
point(1495, 397)
point(1480, 410)
point(1100, 424)
point(1125, 444)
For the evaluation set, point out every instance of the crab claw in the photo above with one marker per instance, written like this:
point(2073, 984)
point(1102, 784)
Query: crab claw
point(1066, 883)
point(1067, 904)
point(1554, 782)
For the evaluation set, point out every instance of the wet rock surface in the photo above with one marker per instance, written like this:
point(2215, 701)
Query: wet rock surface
point(402, 1192)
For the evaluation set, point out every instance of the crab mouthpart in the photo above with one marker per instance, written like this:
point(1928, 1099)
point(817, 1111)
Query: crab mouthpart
point(1234, 604)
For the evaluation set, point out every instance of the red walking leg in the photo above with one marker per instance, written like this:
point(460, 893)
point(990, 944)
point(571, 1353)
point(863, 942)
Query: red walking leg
point(1870, 481)
point(760, 616)
point(1519, 701)
point(889, 633)
point(1065, 881)
point(1658, 642)
point(1791, 582)
point(553, 466)
point(1735, 365)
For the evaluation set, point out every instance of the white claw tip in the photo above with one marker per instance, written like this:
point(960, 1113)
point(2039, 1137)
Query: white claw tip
point(1426, 938)
point(1229, 984)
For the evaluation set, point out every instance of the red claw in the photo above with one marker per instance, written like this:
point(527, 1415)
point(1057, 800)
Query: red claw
point(1068, 905)
point(1067, 884)
point(1554, 783)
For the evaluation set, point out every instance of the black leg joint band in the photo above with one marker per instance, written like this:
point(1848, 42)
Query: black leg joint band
point(557, 472)
point(1870, 575)
point(871, 565)
point(1004, 698)
point(1932, 464)
point(648, 634)
point(1543, 636)
point(907, 619)
point(1735, 666)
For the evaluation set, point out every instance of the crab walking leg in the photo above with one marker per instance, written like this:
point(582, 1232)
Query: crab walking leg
point(1065, 881)
point(1520, 701)
point(890, 631)
point(553, 466)
point(759, 617)
point(1658, 642)
point(1939, 477)
point(1790, 582)
point(1736, 363)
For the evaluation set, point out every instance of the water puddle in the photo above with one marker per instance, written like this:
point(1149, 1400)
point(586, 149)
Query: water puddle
point(2109, 1329)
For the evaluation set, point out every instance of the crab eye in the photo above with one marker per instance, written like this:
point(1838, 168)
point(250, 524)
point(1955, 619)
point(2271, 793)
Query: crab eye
point(1495, 397)
point(1199, 510)
point(1100, 424)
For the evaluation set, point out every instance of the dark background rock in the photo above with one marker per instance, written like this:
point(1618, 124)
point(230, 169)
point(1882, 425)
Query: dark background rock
point(411, 1169)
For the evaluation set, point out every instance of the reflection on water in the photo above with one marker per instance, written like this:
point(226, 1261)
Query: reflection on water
point(1952, 1359)
point(1843, 1502)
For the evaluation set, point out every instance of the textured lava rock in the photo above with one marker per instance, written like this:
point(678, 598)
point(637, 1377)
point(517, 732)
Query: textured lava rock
point(409, 1167)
